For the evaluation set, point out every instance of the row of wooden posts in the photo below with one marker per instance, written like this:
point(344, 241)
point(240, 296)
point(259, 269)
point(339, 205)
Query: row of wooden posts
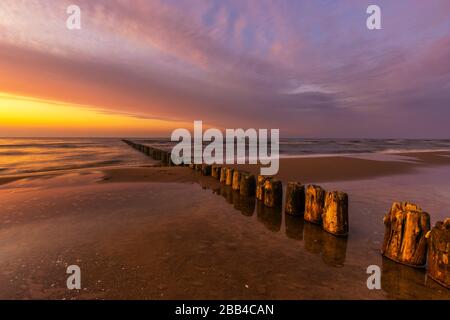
point(407, 238)
point(155, 153)
point(330, 209)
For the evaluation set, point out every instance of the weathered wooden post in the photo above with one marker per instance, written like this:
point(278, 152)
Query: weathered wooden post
point(215, 171)
point(164, 157)
point(247, 185)
point(273, 193)
point(295, 198)
point(229, 176)
point(439, 253)
point(335, 213)
point(314, 203)
point(404, 237)
point(223, 175)
point(236, 180)
point(260, 186)
point(206, 169)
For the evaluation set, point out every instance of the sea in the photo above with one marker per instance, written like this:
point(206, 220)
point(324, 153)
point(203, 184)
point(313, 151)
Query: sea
point(34, 155)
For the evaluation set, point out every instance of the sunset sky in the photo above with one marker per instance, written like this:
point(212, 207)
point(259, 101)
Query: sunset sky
point(143, 68)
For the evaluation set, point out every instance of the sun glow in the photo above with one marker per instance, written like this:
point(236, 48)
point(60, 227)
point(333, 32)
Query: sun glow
point(33, 115)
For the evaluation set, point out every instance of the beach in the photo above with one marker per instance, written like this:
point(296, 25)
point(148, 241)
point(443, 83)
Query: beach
point(149, 232)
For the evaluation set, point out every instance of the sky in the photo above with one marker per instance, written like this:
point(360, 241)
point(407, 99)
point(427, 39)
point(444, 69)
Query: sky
point(146, 67)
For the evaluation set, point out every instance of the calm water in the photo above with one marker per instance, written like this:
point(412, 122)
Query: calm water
point(24, 156)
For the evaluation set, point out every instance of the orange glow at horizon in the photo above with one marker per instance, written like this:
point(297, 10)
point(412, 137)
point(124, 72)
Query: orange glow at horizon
point(53, 118)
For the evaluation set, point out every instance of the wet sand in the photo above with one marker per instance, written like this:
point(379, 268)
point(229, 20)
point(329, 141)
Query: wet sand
point(320, 169)
point(168, 233)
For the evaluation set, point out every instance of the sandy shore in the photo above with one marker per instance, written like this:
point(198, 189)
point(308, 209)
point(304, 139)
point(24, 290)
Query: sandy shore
point(169, 233)
point(307, 170)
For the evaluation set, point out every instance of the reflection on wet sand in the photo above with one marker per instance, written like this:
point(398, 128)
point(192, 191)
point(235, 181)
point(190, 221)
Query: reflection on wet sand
point(312, 238)
point(402, 282)
point(245, 204)
point(294, 226)
point(399, 281)
point(227, 193)
point(270, 217)
point(332, 249)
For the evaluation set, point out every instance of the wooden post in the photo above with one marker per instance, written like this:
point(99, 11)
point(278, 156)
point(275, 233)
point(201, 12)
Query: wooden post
point(247, 185)
point(163, 158)
point(215, 171)
point(335, 213)
point(229, 176)
point(295, 198)
point(169, 159)
point(236, 180)
point(314, 203)
point(273, 193)
point(223, 174)
point(206, 169)
point(404, 237)
point(260, 187)
point(439, 253)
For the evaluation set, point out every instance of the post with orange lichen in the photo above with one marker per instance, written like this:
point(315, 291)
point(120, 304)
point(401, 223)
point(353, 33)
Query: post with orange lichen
point(273, 193)
point(236, 183)
point(438, 253)
point(229, 176)
point(314, 203)
point(247, 185)
point(335, 213)
point(404, 237)
point(215, 171)
point(260, 187)
point(223, 174)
